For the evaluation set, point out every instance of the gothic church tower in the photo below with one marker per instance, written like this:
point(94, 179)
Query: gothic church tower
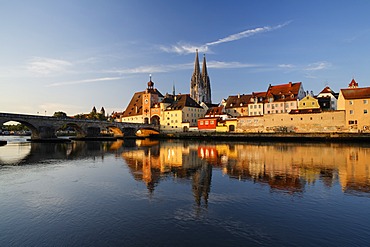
point(200, 85)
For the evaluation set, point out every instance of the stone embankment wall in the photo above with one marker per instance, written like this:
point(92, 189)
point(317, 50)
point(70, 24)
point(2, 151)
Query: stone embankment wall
point(300, 123)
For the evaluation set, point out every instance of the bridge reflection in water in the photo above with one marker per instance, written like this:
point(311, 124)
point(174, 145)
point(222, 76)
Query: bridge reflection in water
point(286, 168)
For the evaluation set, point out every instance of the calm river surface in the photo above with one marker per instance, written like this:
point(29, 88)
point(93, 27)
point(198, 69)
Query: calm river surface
point(176, 193)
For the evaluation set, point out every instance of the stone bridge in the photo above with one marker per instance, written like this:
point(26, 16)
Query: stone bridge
point(44, 127)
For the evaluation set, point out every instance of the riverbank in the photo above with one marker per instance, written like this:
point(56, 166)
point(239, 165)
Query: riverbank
point(269, 137)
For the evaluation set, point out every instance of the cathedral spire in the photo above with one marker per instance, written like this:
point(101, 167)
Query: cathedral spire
point(200, 89)
point(204, 69)
point(196, 63)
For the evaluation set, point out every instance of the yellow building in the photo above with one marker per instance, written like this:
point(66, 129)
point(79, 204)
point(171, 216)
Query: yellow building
point(356, 103)
point(181, 112)
point(308, 102)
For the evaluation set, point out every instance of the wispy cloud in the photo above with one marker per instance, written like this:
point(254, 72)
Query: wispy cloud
point(286, 66)
point(58, 84)
point(47, 66)
point(175, 67)
point(229, 65)
point(185, 48)
point(318, 66)
point(151, 69)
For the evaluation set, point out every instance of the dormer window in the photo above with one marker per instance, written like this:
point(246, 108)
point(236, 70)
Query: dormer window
point(292, 96)
point(241, 104)
point(283, 96)
point(231, 104)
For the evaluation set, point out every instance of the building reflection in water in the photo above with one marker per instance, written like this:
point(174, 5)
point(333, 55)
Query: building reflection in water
point(286, 168)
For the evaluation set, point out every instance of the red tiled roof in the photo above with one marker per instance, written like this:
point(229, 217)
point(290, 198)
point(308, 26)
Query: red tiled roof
point(284, 92)
point(305, 111)
point(181, 101)
point(327, 90)
point(356, 93)
point(353, 83)
point(215, 111)
point(135, 106)
point(238, 101)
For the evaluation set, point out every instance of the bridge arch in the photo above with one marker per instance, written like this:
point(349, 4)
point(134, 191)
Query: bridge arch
point(117, 132)
point(79, 130)
point(155, 120)
point(34, 131)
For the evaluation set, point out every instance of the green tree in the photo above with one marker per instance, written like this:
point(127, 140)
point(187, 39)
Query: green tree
point(60, 114)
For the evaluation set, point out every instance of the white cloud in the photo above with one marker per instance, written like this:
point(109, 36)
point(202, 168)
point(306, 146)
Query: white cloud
point(175, 67)
point(185, 48)
point(57, 84)
point(229, 65)
point(47, 66)
point(317, 66)
point(286, 66)
point(151, 69)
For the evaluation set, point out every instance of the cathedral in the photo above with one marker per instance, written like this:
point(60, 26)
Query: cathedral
point(200, 85)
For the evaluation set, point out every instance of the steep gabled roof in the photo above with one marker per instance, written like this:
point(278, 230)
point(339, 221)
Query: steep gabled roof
point(284, 92)
point(238, 100)
point(181, 101)
point(353, 84)
point(356, 93)
point(135, 106)
point(327, 89)
point(261, 96)
point(214, 111)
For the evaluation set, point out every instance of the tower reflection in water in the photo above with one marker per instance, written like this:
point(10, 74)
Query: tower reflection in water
point(286, 168)
point(283, 167)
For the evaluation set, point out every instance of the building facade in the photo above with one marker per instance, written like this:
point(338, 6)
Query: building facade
point(144, 106)
point(327, 99)
point(183, 111)
point(355, 102)
point(283, 98)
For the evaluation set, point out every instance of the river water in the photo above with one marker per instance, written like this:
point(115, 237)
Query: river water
point(177, 193)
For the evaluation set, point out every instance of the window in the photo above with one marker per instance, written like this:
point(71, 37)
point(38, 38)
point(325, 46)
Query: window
point(351, 102)
point(351, 112)
point(365, 101)
point(365, 111)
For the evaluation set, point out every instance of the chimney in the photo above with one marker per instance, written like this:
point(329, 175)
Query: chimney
point(238, 95)
point(290, 84)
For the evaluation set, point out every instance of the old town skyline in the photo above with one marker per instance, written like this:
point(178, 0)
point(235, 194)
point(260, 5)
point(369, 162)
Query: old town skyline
point(73, 56)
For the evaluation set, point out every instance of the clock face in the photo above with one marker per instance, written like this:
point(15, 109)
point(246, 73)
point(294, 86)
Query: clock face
point(146, 101)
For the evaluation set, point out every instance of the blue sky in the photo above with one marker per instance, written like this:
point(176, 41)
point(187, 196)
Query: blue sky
point(72, 55)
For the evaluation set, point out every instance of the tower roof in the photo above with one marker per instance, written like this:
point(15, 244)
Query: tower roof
point(196, 63)
point(353, 84)
point(204, 68)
